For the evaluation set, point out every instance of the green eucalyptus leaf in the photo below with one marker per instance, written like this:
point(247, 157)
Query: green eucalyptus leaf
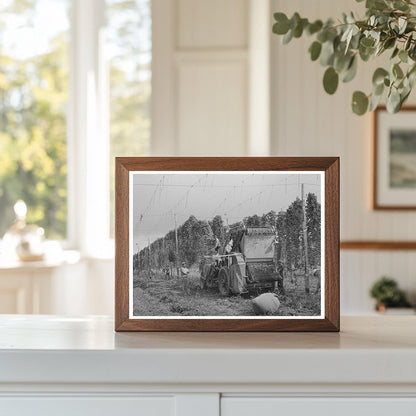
point(411, 78)
point(359, 103)
point(408, 42)
point(376, 4)
point(294, 20)
point(348, 35)
point(389, 43)
point(330, 80)
point(399, 85)
point(338, 44)
point(351, 71)
point(412, 52)
point(404, 96)
point(367, 42)
point(395, 52)
point(393, 101)
point(397, 71)
point(412, 70)
point(288, 37)
point(315, 50)
point(366, 53)
point(314, 27)
point(374, 101)
point(298, 30)
point(394, 26)
point(379, 75)
point(400, 5)
point(341, 62)
point(351, 18)
point(281, 27)
point(402, 22)
point(403, 56)
point(378, 89)
point(327, 54)
point(322, 35)
point(355, 41)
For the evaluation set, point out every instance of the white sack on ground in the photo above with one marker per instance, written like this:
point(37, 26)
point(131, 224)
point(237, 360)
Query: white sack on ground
point(266, 304)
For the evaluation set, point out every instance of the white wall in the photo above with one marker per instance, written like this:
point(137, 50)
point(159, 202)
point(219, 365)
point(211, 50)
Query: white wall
point(308, 122)
point(202, 81)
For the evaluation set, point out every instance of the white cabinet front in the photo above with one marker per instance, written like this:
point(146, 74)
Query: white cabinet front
point(273, 406)
point(87, 406)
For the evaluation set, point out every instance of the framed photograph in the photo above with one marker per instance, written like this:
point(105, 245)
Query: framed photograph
point(394, 176)
point(227, 244)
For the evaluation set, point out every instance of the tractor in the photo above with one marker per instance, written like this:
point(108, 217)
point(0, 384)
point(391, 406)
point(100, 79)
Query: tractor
point(251, 267)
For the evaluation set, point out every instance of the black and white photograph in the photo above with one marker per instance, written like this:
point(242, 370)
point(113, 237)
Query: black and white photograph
point(234, 244)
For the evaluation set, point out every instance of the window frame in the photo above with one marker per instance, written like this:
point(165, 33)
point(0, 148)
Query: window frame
point(88, 133)
point(87, 128)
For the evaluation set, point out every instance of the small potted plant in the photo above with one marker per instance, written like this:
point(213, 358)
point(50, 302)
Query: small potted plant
point(387, 294)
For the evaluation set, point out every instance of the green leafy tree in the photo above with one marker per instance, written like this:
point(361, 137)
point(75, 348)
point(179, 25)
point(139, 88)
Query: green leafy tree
point(129, 34)
point(269, 219)
point(254, 221)
point(294, 238)
point(218, 229)
point(33, 100)
point(313, 225)
point(171, 256)
point(281, 230)
point(194, 237)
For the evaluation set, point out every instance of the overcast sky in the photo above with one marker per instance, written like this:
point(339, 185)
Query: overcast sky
point(158, 197)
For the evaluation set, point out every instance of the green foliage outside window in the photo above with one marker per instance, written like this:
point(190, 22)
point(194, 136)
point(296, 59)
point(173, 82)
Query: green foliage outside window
point(33, 100)
point(129, 41)
point(34, 104)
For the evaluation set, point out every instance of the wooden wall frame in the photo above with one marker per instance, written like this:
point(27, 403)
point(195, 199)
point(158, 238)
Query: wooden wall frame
point(378, 245)
point(375, 204)
point(328, 165)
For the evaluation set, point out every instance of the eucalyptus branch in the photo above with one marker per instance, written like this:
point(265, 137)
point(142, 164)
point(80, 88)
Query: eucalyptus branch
point(389, 25)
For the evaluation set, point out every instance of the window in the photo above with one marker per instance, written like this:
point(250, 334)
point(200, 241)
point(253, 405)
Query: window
point(129, 46)
point(33, 98)
point(75, 87)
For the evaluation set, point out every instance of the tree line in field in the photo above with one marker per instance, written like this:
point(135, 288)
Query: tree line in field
point(197, 238)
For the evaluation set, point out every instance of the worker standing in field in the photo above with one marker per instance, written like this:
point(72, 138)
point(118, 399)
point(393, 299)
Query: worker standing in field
point(184, 275)
point(229, 246)
point(280, 275)
point(217, 245)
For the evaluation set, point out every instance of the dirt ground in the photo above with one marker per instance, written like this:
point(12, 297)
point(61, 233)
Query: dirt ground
point(161, 296)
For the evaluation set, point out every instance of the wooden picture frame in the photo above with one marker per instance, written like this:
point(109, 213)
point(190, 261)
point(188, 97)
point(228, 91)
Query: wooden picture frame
point(391, 176)
point(129, 168)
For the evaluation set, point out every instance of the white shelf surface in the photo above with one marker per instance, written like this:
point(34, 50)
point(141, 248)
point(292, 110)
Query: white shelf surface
point(53, 349)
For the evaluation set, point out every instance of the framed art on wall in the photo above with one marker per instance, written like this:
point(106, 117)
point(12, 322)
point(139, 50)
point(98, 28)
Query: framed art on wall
point(394, 178)
point(227, 244)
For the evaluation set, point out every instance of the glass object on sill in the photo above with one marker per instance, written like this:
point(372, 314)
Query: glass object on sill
point(25, 241)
